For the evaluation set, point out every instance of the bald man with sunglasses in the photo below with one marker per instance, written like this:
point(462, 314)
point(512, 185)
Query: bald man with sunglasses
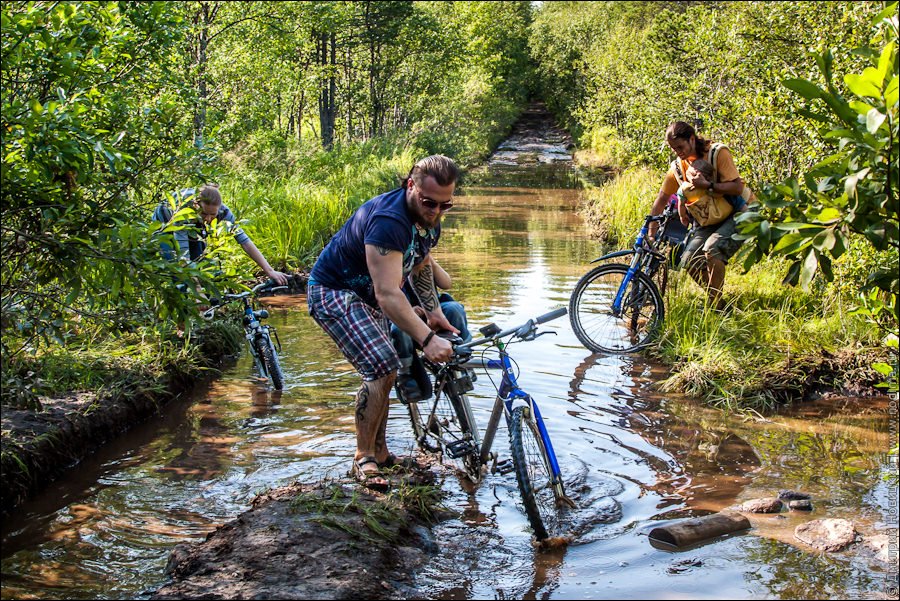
point(355, 293)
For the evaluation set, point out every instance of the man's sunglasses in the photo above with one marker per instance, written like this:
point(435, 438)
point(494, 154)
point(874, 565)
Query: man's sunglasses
point(433, 204)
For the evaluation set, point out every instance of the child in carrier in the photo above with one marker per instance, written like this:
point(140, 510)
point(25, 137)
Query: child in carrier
point(705, 206)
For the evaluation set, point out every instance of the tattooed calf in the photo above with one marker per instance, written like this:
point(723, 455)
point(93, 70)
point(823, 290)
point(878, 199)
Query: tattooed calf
point(362, 401)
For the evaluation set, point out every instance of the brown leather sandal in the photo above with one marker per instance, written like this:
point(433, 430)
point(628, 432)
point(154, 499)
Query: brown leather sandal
point(369, 479)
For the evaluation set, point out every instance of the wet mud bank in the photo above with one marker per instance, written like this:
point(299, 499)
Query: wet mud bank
point(307, 541)
point(37, 447)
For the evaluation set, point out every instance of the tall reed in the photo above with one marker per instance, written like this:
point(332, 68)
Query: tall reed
point(291, 218)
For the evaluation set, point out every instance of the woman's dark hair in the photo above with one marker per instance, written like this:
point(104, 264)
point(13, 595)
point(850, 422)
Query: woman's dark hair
point(679, 130)
point(441, 168)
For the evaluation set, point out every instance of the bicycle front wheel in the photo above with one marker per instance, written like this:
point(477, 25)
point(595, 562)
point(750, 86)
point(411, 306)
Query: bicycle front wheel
point(532, 466)
point(599, 327)
point(269, 357)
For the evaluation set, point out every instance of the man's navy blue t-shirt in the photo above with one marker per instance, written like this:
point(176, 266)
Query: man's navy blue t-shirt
point(382, 221)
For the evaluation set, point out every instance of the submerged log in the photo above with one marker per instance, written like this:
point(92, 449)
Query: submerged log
point(697, 530)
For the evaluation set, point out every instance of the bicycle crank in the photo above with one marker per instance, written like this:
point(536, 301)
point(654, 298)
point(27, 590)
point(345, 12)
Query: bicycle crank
point(460, 448)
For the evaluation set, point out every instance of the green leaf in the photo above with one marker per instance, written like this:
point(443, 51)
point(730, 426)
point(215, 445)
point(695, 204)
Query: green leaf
point(796, 225)
point(825, 62)
point(829, 214)
point(888, 13)
point(890, 92)
point(791, 243)
point(861, 107)
point(824, 240)
point(808, 271)
point(883, 368)
point(765, 236)
point(885, 62)
point(825, 267)
point(790, 279)
point(861, 86)
point(805, 88)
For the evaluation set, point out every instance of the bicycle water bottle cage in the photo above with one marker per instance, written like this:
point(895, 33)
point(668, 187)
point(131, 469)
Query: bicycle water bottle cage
point(489, 330)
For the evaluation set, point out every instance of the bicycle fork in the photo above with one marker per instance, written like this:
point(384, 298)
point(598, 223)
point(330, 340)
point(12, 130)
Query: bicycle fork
point(629, 275)
point(508, 398)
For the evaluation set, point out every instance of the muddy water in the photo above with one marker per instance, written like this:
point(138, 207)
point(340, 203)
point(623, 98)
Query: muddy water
point(633, 459)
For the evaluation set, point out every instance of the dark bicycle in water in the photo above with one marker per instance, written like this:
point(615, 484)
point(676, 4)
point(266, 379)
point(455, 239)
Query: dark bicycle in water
point(617, 308)
point(262, 339)
point(446, 424)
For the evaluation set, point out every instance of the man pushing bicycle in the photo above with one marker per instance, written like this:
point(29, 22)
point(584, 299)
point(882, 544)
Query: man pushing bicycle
point(354, 293)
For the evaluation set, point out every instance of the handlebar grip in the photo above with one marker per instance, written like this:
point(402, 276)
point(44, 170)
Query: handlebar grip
point(551, 315)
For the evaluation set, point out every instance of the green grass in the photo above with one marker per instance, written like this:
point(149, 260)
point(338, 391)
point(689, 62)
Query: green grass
point(291, 218)
point(615, 211)
point(772, 343)
point(764, 348)
point(130, 363)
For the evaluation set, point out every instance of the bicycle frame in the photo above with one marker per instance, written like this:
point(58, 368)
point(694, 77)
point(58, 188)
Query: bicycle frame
point(639, 251)
point(253, 329)
point(509, 396)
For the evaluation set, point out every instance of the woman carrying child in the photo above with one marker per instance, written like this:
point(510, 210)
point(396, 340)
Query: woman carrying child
point(709, 246)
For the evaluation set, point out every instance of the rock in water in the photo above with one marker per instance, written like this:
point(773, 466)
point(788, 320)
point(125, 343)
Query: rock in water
point(826, 534)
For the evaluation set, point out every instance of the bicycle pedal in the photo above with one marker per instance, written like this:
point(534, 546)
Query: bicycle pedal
point(504, 467)
point(459, 448)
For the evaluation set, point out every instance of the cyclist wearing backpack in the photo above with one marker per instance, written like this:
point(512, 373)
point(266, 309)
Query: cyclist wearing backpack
point(709, 247)
point(193, 211)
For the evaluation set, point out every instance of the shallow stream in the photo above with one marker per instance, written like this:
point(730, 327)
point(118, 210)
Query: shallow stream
point(633, 458)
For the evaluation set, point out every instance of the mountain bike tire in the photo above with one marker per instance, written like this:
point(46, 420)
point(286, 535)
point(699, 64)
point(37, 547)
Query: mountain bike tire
point(269, 357)
point(592, 318)
point(450, 422)
point(532, 467)
point(658, 271)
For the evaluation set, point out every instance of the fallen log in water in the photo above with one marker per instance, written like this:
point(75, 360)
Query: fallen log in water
point(696, 530)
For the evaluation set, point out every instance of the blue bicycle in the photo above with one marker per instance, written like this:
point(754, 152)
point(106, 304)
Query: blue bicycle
point(617, 308)
point(445, 425)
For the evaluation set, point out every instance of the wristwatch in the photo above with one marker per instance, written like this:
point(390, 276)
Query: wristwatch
point(711, 186)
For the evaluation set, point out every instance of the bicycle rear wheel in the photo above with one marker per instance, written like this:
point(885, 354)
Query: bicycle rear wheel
point(657, 270)
point(532, 466)
point(445, 425)
point(595, 323)
point(269, 357)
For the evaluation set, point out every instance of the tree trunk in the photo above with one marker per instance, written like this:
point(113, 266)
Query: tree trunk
point(203, 19)
point(327, 47)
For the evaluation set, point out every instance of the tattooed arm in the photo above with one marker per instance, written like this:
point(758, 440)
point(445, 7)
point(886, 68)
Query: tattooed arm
point(423, 280)
point(441, 277)
point(386, 268)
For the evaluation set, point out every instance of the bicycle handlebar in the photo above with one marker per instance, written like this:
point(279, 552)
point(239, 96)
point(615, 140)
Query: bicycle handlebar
point(264, 286)
point(521, 331)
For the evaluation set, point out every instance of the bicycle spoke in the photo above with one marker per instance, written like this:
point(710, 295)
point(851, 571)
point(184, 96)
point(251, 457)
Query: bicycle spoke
point(596, 323)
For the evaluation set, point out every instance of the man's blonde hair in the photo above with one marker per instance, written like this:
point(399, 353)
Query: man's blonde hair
point(441, 168)
point(209, 194)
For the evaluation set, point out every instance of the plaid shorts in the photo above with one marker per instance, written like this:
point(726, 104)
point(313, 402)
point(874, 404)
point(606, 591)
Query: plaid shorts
point(361, 332)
